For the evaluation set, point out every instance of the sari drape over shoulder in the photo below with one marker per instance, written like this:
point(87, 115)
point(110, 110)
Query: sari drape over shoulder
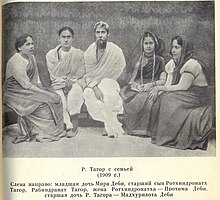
point(37, 119)
point(183, 119)
point(137, 104)
point(110, 65)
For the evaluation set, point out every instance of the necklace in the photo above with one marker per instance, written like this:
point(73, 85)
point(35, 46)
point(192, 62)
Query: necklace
point(153, 73)
point(142, 67)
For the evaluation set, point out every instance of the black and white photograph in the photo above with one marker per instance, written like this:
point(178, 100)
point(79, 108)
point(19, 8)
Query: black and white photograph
point(110, 100)
point(108, 79)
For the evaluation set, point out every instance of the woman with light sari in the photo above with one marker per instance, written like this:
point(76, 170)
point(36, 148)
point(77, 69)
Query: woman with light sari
point(39, 110)
point(181, 117)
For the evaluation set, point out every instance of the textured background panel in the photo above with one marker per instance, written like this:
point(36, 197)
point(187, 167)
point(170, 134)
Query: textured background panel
point(127, 20)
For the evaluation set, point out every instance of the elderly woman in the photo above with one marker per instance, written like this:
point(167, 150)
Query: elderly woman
point(39, 110)
point(180, 117)
point(148, 72)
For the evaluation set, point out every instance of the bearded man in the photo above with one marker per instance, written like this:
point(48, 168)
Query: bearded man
point(104, 63)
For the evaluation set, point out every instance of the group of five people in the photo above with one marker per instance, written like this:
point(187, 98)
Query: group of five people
point(164, 100)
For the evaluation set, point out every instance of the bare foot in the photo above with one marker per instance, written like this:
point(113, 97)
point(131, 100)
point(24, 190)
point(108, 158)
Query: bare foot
point(71, 133)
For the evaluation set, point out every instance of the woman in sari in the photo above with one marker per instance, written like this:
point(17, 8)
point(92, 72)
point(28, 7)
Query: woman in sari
point(147, 73)
point(39, 110)
point(180, 116)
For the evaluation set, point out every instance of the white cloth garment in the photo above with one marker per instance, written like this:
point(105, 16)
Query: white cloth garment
point(72, 103)
point(108, 110)
point(64, 67)
point(103, 72)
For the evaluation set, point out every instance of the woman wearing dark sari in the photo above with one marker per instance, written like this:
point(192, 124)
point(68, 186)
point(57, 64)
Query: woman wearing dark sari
point(39, 110)
point(147, 73)
point(180, 116)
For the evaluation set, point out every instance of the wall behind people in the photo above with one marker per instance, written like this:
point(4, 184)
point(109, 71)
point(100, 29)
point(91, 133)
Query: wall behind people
point(127, 20)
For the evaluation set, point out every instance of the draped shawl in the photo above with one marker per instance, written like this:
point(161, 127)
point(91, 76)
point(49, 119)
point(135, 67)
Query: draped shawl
point(71, 67)
point(21, 99)
point(148, 67)
point(187, 53)
point(110, 65)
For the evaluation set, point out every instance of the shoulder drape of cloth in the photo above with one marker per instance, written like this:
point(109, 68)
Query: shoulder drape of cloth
point(71, 67)
point(23, 100)
point(186, 54)
point(110, 65)
point(159, 50)
point(148, 69)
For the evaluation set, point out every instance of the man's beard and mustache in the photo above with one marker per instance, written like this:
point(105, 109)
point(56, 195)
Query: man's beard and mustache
point(101, 44)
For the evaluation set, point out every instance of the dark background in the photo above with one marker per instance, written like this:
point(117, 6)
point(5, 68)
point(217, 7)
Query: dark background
point(127, 20)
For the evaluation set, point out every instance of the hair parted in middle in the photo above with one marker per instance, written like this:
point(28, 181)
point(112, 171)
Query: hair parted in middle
point(66, 28)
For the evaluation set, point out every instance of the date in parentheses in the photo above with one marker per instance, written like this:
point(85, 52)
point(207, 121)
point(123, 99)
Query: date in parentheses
point(100, 175)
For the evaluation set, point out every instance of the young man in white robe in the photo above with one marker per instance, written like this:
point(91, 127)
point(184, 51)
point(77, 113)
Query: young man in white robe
point(66, 66)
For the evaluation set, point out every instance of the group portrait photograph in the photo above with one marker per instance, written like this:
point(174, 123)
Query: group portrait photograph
point(108, 79)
